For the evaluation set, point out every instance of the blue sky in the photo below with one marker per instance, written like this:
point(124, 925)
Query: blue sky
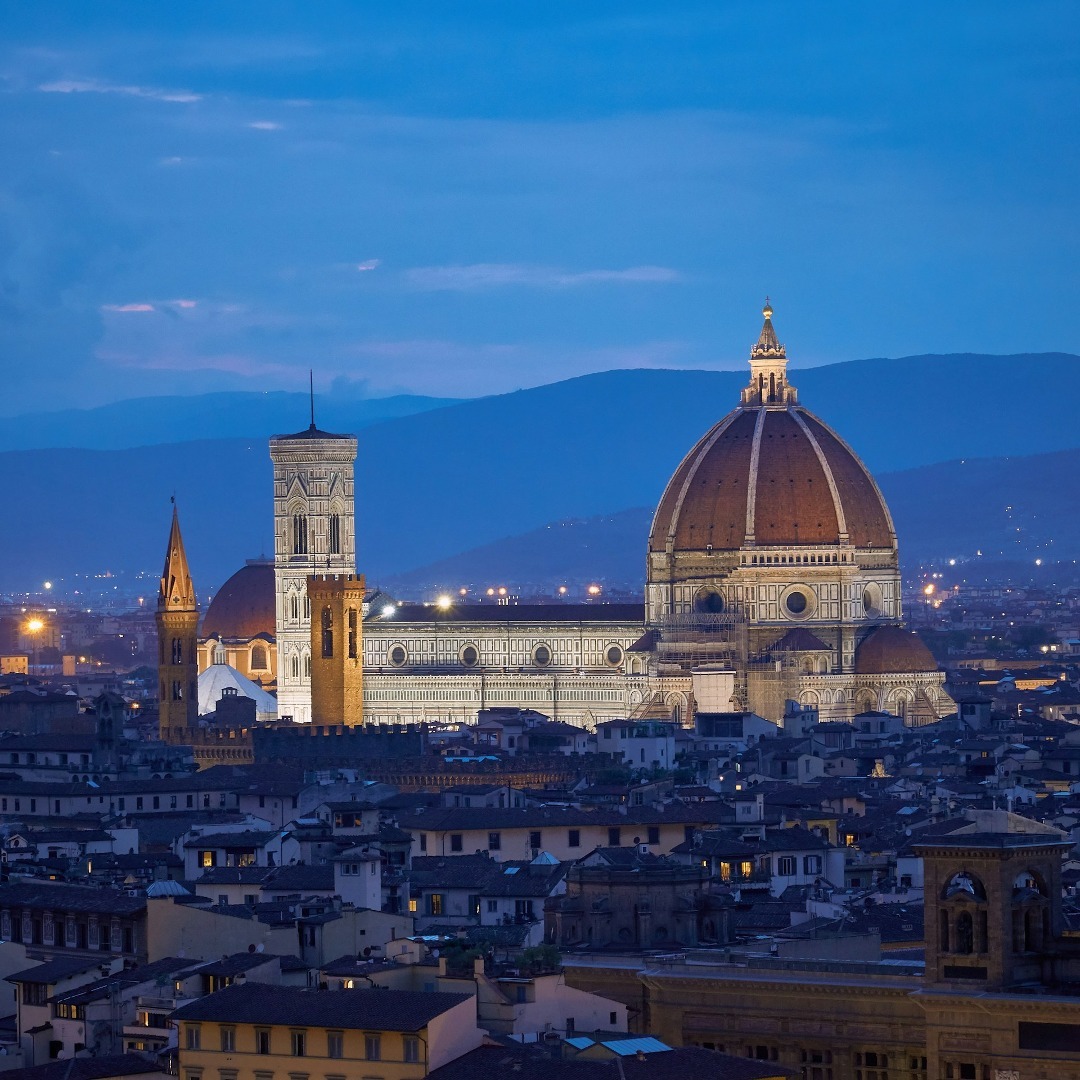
point(460, 199)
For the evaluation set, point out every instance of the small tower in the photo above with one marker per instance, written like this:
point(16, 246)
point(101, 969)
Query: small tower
point(337, 648)
point(177, 626)
point(314, 533)
point(768, 369)
point(992, 906)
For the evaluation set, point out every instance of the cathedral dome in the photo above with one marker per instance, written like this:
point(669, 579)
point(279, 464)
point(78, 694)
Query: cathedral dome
point(244, 605)
point(770, 473)
point(889, 650)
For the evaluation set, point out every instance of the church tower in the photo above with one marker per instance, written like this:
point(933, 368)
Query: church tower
point(337, 649)
point(314, 533)
point(177, 627)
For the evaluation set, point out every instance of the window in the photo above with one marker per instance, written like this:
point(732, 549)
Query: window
point(300, 534)
point(574, 838)
point(372, 1047)
point(871, 1065)
point(613, 1019)
point(410, 1048)
point(534, 839)
point(812, 864)
point(654, 834)
point(335, 1044)
point(352, 634)
point(34, 993)
point(436, 904)
point(228, 1039)
point(327, 633)
point(474, 905)
point(493, 907)
point(785, 866)
point(299, 1043)
point(157, 802)
point(494, 841)
point(192, 1036)
point(335, 534)
point(614, 837)
point(423, 841)
point(455, 842)
point(258, 658)
point(262, 1040)
point(207, 859)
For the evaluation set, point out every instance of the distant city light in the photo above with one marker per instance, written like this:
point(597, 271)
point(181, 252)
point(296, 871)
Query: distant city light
point(502, 590)
point(463, 592)
point(48, 584)
point(952, 562)
point(491, 592)
point(1038, 562)
point(593, 590)
point(388, 610)
point(35, 625)
point(929, 590)
point(562, 590)
point(443, 603)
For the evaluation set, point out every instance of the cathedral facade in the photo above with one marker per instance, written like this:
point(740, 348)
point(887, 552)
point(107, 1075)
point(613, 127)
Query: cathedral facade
point(772, 574)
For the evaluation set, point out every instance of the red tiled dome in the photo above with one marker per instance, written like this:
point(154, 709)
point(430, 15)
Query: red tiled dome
point(244, 605)
point(889, 650)
point(778, 476)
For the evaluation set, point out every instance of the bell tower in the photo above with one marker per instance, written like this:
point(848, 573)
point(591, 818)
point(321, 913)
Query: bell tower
point(992, 906)
point(337, 648)
point(177, 626)
point(314, 533)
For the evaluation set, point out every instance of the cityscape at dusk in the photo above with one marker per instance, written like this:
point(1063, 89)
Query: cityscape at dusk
point(542, 539)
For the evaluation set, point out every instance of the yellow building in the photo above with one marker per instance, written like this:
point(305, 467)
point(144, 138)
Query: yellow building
point(260, 1032)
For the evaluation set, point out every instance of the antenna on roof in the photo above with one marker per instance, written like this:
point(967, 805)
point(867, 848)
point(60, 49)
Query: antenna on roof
point(311, 391)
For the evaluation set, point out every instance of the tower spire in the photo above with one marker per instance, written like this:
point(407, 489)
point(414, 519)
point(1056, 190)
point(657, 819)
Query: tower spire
point(311, 393)
point(768, 368)
point(177, 592)
point(177, 621)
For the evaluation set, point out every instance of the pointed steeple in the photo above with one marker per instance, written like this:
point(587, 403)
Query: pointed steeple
point(768, 369)
point(177, 592)
point(767, 345)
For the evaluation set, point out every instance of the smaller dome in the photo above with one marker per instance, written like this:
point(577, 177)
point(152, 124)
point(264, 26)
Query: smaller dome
point(244, 606)
point(889, 650)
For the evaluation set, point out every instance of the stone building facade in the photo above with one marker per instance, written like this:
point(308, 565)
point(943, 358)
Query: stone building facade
point(314, 532)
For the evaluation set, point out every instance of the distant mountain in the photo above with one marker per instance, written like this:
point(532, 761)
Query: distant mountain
point(157, 420)
point(455, 478)
point(1005, 508)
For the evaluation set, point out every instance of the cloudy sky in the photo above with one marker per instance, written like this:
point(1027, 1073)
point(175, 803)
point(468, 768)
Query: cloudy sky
point(460, 199)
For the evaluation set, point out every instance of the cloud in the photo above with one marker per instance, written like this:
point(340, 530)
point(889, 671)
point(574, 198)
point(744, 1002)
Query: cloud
point(265, 125)
point(95, 86)
point(368, 264)
point(169, 161)
point(496, 275)
point(127, 308)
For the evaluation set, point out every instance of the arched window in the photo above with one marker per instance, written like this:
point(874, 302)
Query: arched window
point(327, 633)
point(177, 690)
point(294, 607)
point(307, 665)
point(352, 633)
point(299, 534)
point(258, 657)
point(177, 650)
point(295, 667)
point(335, 534)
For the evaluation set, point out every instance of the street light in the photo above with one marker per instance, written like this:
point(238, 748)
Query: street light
point(34, 626)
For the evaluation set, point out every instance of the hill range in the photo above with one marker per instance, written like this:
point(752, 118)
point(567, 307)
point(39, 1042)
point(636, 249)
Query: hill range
point(968, 458)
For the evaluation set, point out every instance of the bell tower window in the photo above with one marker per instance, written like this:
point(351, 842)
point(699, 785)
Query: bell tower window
point(177, 650)
point(335, 534)
point(352, 633)
point(327, 633)
point(300, 534)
